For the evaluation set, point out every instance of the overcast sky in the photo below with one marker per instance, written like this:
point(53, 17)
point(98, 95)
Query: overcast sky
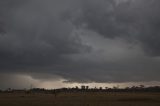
point(79, 41)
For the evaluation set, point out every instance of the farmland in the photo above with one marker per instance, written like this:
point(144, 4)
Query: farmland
point(81, 99)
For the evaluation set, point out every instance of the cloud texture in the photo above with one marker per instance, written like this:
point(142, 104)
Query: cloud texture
point(81, 40)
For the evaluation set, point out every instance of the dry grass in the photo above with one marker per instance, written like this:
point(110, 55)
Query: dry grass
point(81, 99)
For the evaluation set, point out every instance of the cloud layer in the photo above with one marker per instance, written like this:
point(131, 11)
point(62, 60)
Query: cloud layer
point(81, 40)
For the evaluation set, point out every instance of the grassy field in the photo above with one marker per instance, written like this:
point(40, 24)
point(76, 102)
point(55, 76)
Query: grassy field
point(80, 99)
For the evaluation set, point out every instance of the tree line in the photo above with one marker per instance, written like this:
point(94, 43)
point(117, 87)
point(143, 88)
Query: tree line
point(140, 88)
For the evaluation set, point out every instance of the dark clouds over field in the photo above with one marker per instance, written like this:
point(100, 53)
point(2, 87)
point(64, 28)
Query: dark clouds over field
point(81, 40)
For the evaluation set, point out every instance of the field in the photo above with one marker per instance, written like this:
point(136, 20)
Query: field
point(80, 99)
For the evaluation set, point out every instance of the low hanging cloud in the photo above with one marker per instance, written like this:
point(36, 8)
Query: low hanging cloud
point(81, 40)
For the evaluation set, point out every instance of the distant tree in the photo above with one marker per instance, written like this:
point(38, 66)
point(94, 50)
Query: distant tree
point(95, 87)
point(100, 88)
point(115, 87)
point(76, 87)
point(87, 87)
point(106, 88)
point(141, 86)
point(83, 87)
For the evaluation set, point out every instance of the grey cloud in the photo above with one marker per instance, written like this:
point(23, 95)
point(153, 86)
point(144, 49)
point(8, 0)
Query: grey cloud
point(81, 40)
point(35, 35)
point(133, 20)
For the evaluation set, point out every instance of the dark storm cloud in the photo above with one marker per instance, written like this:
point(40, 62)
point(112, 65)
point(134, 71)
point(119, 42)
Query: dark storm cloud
point(133, 20)
point(81, 40)
point(35, 34)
